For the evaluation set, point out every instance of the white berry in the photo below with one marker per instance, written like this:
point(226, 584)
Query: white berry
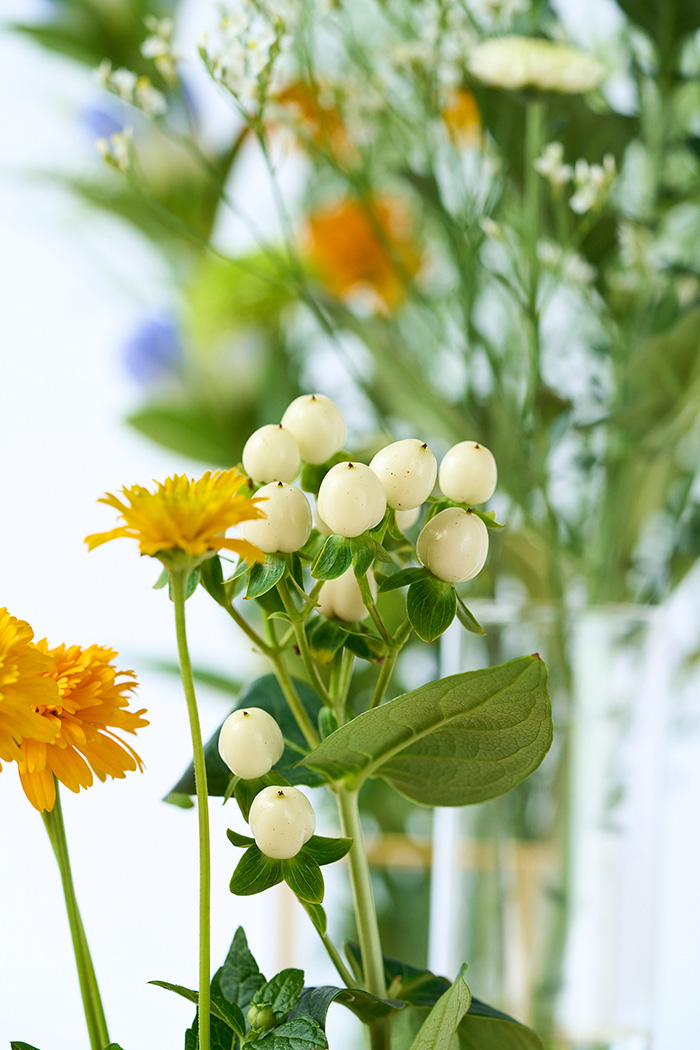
point(250, 742)
point(271, 454)
point(287, 522)
point(320, 524)
point(454, 545)
point(407, 470)
point(406, 518)
point(282, 819)
point(351, 499)
point(468, 473)
point(341, 599)
point(318, 426)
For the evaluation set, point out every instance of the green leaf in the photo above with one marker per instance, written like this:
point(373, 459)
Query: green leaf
point(245, 790)
point(239, 840)
point(326, 637)
point(313, 473)
point(226, 1011)
point(265, 693)
point(317, 915)
point(418, 987)
point(212, 579)
point(239, 977)
point(255, 873)
point(665, 21)
point(452, 742)
point(264, 577)
point(431, 605)
point(441, 1023)
point(403, 577)
point(467, 619)
point(303, 876)
point(21, 1046)
point(366, 646)
point(327, 722)
point(316, 1002)
point(160, 582)
point(299, 1033)
point(281, 992)
point(191, 584)
point(362, 553)
point(484, 1028)
point(488, 517)
point(190, 429)
point(334, 558)
point(327, 850)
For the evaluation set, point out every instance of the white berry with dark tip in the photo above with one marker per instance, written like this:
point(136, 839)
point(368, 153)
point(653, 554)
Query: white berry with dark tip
point(407, 470)
point(250, 742)
point(287, 523)
point(351, 499)
point(317, 425)
point(454, 545)
point(281, 819)
point(271, 454)
point(468, 473)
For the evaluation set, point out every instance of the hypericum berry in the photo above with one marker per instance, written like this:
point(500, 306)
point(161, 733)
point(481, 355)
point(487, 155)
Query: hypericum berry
point(287, 522)
point(340, 599)
point(271, 454)
point(407, 470)
point(468, 473)
point(406, 518)
point(318, 426)
point(320, 524)
point(351, 499)
point(282, 819)
point(250, 742)
point(261, 1017)
point(454, 545)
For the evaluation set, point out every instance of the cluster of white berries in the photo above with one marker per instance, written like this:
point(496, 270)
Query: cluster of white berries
point(281, 818)
point(353, 497)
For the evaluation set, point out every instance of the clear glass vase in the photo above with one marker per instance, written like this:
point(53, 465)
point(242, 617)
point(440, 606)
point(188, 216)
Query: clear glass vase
point(554, 886)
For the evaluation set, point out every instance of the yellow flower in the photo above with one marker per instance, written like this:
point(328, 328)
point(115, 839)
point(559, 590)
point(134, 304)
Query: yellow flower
point(90, 700)
point(184, 515)
point(22, 687)
point(518, 62)
point(462, 118)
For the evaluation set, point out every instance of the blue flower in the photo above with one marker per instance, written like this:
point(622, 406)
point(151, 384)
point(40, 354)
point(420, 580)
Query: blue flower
point(154, 351)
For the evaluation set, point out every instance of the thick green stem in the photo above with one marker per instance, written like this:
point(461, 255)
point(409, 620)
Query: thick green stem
point(303, 642)
point(365, 911)
point(89, 991)
point(200, 779)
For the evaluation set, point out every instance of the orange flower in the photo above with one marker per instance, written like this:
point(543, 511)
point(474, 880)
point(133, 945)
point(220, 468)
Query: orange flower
point(22, 687)
point(319, 123)
point(462, 118)
point(355, 245)
point(90, 701)
point(184, 515)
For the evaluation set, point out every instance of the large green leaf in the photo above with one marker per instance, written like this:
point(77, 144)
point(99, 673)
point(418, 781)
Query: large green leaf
point(484, 1028)
point(281, 992)
point(299, 1033)
point(440, 1025)
point(240, 977)
point(316, 1002)
point(459, 740)
point(226, 1011)
point(265, 693)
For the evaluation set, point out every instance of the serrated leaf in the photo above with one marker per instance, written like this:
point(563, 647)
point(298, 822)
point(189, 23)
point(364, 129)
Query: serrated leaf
point(443, 1020)
point(240, 977)
point(431, 605)
point(403, 578)
point(303, 876)
point(239, 840)
point(452, 742)
point(467, 618)
point(334, 558)
point(263, 577)
point(281, 992)
point(327, 850)
point(255, 873)
point(226, 1011)
point(299, 1033)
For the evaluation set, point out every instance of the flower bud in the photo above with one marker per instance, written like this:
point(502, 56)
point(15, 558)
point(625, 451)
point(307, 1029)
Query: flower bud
point(287, 522)
point(454, 545)
point(468, 473)
point(271, 454)
point(351, 499)
point(282, 819)
point(261, 1017)
point(407, 470)
point(341, 599)
point(250, 742)
point(318, 426)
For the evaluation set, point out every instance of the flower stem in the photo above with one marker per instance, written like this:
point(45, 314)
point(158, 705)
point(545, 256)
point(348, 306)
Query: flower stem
point(200, 779)
point(303, 643)
point(365, 911)
point(335, 956)
point(89, 991)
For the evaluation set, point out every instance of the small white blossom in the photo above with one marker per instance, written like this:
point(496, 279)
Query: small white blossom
point(149, 99)
point(123, 83)
point(117, 150)
point(159, 46)
point(551, 165)
point(104, 72)
point(592, 182)
point(243, 57)
point(490, 228)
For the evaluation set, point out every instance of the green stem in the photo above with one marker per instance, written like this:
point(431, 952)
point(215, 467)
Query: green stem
point(200, 779)
point(384, 677)
point(335, 956)
point(89, 991)
point(241, 622)
point(303, 642)
point(365, 911)
point(295, 705)
point(371, 607)
point(534, 136)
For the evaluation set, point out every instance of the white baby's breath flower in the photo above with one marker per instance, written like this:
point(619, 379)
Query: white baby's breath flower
point(123, 83)
point(575, 270)
point(490, 228)
point(244, 53)
point(150, 99)
point(117, 150)
point(593, 182)
point(104, 72)
point(159, 46)
point(551, 165)
point(518, 62)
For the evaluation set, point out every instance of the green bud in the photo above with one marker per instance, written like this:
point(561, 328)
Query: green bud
point(261, 1017)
